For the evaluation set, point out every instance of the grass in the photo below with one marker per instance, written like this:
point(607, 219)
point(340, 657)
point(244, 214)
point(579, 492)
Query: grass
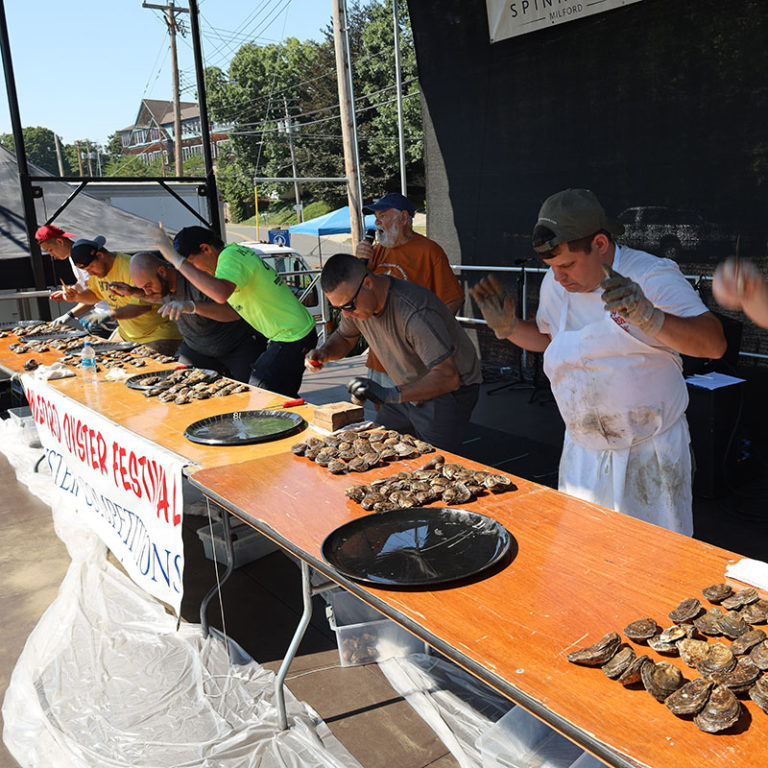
point(283, 215)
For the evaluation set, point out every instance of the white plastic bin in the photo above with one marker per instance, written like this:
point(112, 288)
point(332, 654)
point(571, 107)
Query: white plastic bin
point(247, 544)
point(363, 635)
point(519, 740)
point(22, 417)
point(587, 761)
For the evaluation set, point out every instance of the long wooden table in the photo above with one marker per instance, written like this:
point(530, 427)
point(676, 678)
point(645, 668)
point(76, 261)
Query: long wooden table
point(579, 571)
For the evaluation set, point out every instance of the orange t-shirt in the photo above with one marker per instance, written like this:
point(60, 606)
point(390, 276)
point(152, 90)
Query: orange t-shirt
point(421, 261)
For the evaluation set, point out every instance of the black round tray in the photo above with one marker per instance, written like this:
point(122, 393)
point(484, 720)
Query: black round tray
point(52, 336)
point(244, 427)
point(108, 346)
point(137, 381)
point(416, 546)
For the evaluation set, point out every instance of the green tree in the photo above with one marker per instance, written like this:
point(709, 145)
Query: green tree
point(40, 148)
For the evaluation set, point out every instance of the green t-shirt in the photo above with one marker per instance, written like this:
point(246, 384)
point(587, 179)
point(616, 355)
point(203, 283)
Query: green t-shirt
point(150, 326)
point(261, 296)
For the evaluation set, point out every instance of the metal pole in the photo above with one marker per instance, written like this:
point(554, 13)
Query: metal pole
point(210, 185)
point(399, 85)
point(296, 190)
point(177, 145)
point(30, 218)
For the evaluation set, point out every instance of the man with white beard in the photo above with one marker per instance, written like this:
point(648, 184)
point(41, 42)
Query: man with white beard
point(405, 254)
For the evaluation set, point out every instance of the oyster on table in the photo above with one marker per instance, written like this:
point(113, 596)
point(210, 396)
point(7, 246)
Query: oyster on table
point(598, 654)
point(721, 711)
point(690, 698)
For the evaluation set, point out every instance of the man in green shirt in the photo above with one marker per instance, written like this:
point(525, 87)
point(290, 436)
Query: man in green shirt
point(236, 275)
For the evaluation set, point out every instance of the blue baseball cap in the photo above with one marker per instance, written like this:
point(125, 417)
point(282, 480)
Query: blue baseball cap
point(391, 200)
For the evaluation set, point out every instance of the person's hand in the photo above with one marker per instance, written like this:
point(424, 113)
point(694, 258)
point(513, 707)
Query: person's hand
point(163, 243)
point(67, 293)
point(173, 310)
point(497, 306)
point(62, 319)
point(58, 296)
point(364, 250)
point(314, 360)
point(626, 298)
point(95, 318)
point(363, 389)
point(734, 282)
point(123, 289)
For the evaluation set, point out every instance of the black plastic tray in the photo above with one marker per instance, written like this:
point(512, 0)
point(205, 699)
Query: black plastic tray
point(52, 336)
point(107, 346)
point(136, 382)
point(416, 546)
point(244, 427)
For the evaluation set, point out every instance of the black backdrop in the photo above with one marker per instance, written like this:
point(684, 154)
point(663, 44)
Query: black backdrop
point(659, 103)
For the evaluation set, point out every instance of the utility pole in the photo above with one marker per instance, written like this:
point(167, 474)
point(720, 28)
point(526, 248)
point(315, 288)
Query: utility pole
point(59, 158)
point(170, 11)
point(79, 158)
point(399, 85)
point(348, 121)
point(88, 155)
point(289, 126)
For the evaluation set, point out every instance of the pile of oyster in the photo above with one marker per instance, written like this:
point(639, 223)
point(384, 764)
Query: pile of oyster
point(727, 669)
point(40, 329)
point(188, 384)
point(360, 451)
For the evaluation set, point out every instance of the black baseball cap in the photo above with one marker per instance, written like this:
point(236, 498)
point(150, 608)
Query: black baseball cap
point(84, 251)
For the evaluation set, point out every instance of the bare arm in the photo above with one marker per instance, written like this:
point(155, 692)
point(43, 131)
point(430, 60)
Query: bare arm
point(700, 336)
point(215, 288)
point(221, 312)
point(528, 336)
point(439, 380)
point(130, 310)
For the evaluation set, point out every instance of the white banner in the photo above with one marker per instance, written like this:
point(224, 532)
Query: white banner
point(126, 489)
point(509, 18)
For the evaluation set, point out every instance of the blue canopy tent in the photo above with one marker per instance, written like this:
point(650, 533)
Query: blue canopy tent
point(333, 223)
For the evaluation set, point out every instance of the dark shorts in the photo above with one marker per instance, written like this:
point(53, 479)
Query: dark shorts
point(280, 367)
point(236, 363)
point(441, 421)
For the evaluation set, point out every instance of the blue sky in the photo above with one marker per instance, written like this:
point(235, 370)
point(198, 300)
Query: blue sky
point(82, 67)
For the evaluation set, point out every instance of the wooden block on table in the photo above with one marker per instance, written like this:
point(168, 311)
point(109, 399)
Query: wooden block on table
point(334, 416)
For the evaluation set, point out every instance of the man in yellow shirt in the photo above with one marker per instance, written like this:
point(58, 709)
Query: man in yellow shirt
point(136, 320)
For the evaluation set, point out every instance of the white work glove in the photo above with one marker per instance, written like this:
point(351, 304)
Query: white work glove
point(626, 298)
point(62, 319)
point(173, 310)
point(314, 360)
point(498, 307)
point(734, 282)
point(95, 318)
point(163, 243)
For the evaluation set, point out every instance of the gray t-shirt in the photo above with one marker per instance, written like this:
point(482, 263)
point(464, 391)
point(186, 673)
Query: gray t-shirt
point(413, 333)
point(202, 334)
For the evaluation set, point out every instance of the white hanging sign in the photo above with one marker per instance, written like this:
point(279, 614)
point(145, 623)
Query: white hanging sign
point(509, 18)
point(125, 488)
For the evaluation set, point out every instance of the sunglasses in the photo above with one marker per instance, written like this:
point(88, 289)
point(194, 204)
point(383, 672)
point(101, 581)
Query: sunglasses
point(351, 305)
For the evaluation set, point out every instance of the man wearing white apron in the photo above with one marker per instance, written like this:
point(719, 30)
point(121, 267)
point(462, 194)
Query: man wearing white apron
point(612, 323)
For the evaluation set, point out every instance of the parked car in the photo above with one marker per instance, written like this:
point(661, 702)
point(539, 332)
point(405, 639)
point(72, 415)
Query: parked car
point(285, 261)
point(676, 233)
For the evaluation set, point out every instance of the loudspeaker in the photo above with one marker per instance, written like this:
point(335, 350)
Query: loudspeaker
point(713, 420)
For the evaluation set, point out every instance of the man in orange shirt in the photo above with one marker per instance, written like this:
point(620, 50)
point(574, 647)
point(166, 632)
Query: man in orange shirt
point(405, 254)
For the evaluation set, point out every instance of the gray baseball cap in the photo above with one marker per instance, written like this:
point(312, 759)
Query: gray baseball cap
point(572, 214)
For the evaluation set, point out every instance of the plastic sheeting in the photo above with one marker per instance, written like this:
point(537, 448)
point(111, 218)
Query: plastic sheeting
point(106, 680)
point(457, 706)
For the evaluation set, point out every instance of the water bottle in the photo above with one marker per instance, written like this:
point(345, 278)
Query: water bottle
point(88, 361)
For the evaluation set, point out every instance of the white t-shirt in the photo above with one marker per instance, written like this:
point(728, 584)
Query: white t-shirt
point(661, 280)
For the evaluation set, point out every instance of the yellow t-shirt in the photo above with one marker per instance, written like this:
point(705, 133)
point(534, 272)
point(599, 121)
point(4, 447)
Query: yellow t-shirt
point(150, 326)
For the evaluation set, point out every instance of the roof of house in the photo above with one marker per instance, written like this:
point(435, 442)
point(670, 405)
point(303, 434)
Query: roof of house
point(161, 113)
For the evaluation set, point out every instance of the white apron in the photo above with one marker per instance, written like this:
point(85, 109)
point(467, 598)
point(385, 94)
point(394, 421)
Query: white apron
point(623, 402)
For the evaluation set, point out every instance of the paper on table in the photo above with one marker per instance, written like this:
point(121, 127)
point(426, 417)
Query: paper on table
point(712, 380)
point(53, 371)
point(754, 572)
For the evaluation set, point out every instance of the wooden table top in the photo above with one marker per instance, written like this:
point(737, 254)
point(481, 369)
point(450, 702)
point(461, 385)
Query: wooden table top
point(579, 572)
point(162, 423)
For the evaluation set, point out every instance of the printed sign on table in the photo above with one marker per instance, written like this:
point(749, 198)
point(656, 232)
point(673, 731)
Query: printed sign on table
point(519, 17)
point(126, 489)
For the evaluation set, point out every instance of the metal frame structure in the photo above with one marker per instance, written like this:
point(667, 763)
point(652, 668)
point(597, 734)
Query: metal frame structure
point(29, 184)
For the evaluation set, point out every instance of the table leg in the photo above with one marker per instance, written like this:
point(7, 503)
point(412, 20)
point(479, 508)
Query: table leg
point(230, 567)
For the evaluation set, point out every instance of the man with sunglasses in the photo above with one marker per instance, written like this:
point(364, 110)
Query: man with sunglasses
point(426, 353)
point(235, 275)
point(612, 323)
point(137, 320)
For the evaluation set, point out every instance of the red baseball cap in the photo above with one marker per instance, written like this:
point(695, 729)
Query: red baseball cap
point(49, 231)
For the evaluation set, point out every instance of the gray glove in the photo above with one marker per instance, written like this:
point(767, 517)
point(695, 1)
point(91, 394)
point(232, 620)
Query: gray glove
point(95, 318)
point(62, 319)
point(498, 306)
point(626, 298)
point(363, 389)
point(162, 243)
point(173, 310)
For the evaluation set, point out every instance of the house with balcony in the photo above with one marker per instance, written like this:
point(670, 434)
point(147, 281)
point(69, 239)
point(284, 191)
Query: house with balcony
point(152, 134)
